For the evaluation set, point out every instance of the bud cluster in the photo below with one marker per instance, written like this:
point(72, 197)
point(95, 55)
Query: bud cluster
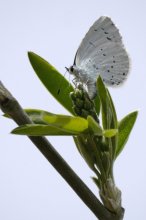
point(83, 106)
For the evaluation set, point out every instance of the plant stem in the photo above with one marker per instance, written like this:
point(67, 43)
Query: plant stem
point(10, 106)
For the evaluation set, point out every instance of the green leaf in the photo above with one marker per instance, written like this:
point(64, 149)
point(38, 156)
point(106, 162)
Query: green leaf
point(97, 104)
point(85, 150)
point(94, 126)
point(47, 123)
point(103, 99)
point(52, 80)
point(125, 128)
point(109, 117)
point(114, 121)
point(71, 123)
point(110, 133)
point(41, 130)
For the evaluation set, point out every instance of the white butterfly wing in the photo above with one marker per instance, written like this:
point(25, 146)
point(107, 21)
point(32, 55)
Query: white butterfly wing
point(102, 52)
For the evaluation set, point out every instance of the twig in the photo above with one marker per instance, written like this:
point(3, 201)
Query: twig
point(9, 105)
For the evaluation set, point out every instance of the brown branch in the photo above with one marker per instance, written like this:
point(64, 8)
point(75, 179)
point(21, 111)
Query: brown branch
point(10, 106)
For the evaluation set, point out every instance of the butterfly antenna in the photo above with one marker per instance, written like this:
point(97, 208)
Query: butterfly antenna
point(67, 69)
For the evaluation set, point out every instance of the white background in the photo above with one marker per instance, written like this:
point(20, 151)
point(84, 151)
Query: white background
point(30, 188)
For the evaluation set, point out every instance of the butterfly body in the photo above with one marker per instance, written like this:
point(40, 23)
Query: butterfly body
point(101, 52)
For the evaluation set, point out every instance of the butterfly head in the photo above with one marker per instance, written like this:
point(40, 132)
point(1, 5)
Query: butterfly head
point(73, 70)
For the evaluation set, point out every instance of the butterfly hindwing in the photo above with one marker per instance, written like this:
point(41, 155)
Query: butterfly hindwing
point(100, 32)
point(102, 52)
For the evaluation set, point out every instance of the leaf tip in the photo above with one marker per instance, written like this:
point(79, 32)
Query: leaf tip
point(99, 80)
point(14, 131)
point(30, 54)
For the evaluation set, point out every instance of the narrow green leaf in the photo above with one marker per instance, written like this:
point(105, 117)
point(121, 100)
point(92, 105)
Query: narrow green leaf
point(77, 124)
point(114, 121)
point(65, 122)
point(55, 83)
point(109, 117)
point(103, 99)
point(83, 149)
point(94, 126)
point(42, 130)
point(97, 104)
point(125, 128)
point(110, 133)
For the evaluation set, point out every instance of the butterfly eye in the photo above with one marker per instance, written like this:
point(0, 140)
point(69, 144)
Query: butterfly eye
point(71, 69)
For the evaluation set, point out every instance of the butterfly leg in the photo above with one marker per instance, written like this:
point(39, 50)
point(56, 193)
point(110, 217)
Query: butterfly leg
point(74, 81)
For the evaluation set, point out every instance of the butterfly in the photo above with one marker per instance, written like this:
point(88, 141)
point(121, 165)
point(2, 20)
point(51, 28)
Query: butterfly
point(101, 52)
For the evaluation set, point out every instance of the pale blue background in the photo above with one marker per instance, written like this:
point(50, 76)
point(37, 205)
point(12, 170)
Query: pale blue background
point(29, 187)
